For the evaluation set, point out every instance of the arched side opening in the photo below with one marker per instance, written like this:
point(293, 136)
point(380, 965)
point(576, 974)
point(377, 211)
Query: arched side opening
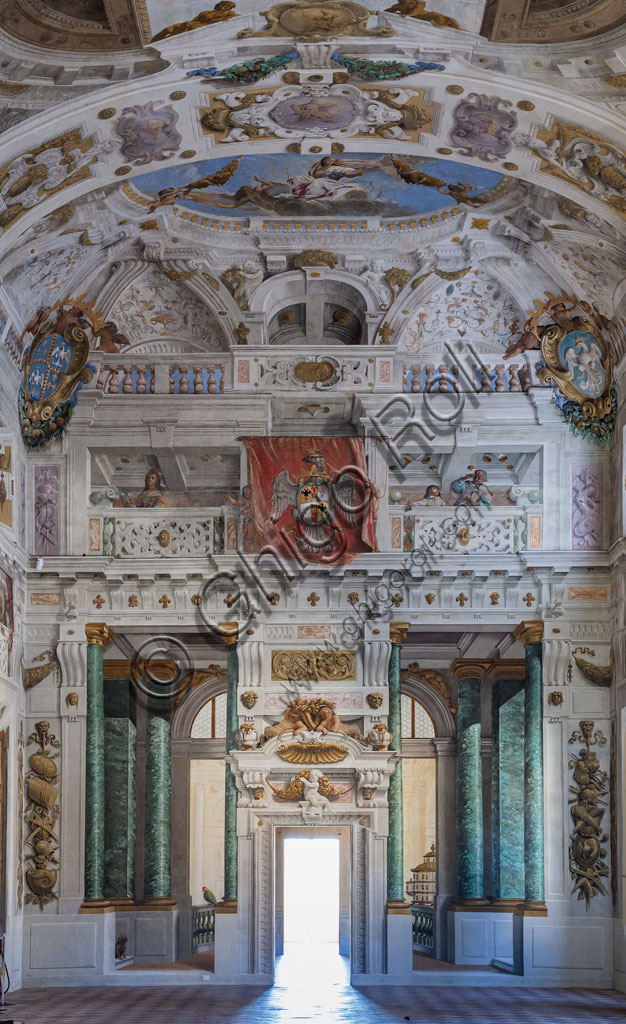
point(428, 729)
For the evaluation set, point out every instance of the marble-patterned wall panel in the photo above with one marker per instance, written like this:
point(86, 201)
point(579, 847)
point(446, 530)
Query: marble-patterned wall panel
point(587, 508)
point(475, 307)
point(46, 511)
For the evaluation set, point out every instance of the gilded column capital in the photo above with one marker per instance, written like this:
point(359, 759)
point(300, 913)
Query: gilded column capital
point(506, 668)
point(398, 632)
point(470, 668)
point(98, 633)
point(230, 632)
point(530, 632)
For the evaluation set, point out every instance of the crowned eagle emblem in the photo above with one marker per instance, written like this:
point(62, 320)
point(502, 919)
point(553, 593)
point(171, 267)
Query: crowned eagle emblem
point(320, 504)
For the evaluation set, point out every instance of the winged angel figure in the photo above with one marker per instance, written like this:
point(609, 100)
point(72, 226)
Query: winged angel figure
point(316, 501)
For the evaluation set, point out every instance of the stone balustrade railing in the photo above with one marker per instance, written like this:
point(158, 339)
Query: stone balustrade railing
point(481, 379)
point(140, 377)
point(165, 533)
point(202, 927)
point(423, 920)
point(499, 530)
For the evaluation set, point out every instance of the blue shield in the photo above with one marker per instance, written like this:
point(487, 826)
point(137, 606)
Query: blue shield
point(581, 353)
point(50, 359)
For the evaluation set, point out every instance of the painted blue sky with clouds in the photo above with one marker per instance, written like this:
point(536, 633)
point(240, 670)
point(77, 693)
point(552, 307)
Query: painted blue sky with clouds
point(388, 194)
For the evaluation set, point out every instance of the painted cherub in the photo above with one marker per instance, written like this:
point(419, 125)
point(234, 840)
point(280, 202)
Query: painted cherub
point(291, 722)
point(330, 722)
point(417, 9)
point(222, 11)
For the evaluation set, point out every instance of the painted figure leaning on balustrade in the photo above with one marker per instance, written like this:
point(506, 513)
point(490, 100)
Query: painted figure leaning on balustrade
point(151, 497)
point(472, 489)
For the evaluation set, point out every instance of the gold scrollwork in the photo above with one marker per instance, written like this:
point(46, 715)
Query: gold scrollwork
point(36, 674)
point(583, 372)
point(42, 813)
point(586, 851)
point(295, 789)
point(601, 675)
point(312, 753)
point(314, 258)
point(301, 665)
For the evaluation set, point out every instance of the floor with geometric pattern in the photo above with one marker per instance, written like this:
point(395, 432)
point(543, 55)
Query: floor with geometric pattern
point(304, 994)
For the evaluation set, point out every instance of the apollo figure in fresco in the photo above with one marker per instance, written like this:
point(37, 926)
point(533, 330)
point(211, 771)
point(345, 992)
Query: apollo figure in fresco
point(329, 178)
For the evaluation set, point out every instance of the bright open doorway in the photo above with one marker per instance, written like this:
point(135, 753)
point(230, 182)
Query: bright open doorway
point(311, 890)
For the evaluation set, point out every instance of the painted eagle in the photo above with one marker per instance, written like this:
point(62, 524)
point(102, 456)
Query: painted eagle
point(314, 502)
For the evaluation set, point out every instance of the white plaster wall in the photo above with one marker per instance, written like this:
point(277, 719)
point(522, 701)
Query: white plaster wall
point(206, 829)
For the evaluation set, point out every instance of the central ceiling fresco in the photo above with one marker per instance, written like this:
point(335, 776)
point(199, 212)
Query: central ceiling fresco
point(363, 184)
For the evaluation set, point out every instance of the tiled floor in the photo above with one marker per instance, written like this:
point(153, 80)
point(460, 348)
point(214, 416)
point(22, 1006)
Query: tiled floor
point(309, 990)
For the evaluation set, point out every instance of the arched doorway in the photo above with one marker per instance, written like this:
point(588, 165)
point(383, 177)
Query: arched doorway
point(198, 750)
point(428, 777)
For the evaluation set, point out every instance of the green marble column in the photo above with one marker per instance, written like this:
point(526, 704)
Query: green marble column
point(531, 635)
point(119, 790)
point(98, 635)
point(230, 636)
point(507, 783)
point(395, 843)
point(157, 832)
point(469, 782)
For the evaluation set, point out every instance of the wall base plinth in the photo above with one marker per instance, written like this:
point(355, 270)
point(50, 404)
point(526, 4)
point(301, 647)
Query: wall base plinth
point(67, 949)
point(479, 938)
point(399, 937)
point(564, 950)
point(151, 930)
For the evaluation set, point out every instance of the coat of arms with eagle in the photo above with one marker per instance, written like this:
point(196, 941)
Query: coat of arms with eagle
point(320, 503)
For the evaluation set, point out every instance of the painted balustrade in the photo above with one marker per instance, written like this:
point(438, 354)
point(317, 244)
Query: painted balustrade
point(423, 920)
point(198, 377)
point(482, 379)
point(165, 533)
point(497, 530)
point(202, 927)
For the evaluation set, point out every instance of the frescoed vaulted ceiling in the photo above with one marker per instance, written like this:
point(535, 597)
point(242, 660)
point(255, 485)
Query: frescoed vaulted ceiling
point(89, 25)
point(550, 21)
point(325, 174)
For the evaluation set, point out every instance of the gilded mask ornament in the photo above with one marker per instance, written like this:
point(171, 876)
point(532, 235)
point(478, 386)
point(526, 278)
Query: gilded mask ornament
point(375, 700)
point(55, 369)
point(249, 698)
